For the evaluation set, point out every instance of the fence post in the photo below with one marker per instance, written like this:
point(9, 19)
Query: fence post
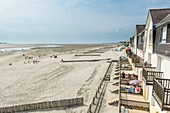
point(90, 108)
point(94, 100)
point(96, 94)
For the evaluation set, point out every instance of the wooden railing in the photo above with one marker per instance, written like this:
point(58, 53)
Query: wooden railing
point(161, 92)
point(139, 62)
point(124, 64)
point(138, 105)
point(149, 74)
point(124, 61)
point(131, 54)
point(134, 58)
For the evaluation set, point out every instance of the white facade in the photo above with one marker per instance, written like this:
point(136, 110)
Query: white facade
point(152, 58)
point(135, 42)
point(148, 41)
point(162, 63)
point(164, 66)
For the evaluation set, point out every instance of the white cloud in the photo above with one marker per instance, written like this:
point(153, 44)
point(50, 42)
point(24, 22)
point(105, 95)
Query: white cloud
point(70, 18)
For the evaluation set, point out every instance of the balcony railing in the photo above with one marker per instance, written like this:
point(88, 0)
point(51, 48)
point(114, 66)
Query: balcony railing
point(161, 92)
point(131, 54)
point(139, 62)
point(134, 104)
point(124, 60)
point(124, 64)
point(149, 74)
point(134, 58)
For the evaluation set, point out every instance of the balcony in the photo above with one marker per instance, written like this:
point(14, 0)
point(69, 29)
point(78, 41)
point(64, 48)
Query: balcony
point(124, 60)
point(124, 63)
point(135, 104)
point(133, 56)
point(149, 74)
point(161, 92)
point(139, 63)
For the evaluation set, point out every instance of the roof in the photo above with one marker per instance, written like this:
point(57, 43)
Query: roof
point(166, 20)
point(159, 14)
point(140, 28)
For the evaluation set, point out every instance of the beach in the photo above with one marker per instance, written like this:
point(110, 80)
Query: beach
point(35, 75)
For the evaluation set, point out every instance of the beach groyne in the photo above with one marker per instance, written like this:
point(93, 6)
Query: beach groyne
point(87, 55)
point(94, 60)
point(93, 52)
point(43, 105)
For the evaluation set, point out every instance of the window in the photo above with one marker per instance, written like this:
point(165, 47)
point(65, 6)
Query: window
point(150, 37)
point(163, 34)
point(141, 38)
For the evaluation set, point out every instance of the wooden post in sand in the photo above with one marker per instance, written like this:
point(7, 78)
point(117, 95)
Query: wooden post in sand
point(96, 94)
point(99, 89)
point(101, 83)
point(94, 100)
point(90, 109)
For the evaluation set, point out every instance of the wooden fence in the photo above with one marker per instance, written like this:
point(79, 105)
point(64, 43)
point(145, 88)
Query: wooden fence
point(43, 105)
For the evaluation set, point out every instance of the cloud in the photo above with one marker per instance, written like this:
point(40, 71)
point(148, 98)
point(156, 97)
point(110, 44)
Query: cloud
point(72, 20)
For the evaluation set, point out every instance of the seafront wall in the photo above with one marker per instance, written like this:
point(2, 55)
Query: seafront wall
point(43, 105)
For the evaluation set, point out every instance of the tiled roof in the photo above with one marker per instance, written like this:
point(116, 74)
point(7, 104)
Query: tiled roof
point(164, 21)
point(140, 28)
point(159, 14)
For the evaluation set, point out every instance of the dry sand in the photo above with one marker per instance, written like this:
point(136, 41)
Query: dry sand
point(24, 82)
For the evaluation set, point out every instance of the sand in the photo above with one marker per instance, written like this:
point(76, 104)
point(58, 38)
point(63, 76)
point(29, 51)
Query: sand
point(49, 79)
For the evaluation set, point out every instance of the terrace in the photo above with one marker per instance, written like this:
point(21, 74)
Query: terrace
point(131, 54)
point(124, 64)
point(130, 95)
point(139, 62)
point(131, 99)
point(161, 92)
point(149, 74)
point(133, 57)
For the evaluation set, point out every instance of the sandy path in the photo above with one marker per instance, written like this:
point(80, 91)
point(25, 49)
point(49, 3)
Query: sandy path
point(110, 97)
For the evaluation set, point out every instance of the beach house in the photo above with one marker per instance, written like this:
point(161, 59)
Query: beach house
point(152, 45)
point(161, 86)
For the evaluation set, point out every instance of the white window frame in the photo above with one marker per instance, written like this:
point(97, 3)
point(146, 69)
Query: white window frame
point(141, 37)
point(163, 34)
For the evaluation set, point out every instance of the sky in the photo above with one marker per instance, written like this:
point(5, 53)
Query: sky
point(72, 21)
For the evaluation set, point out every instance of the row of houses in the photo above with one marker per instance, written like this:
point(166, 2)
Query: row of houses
point(151, 44)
